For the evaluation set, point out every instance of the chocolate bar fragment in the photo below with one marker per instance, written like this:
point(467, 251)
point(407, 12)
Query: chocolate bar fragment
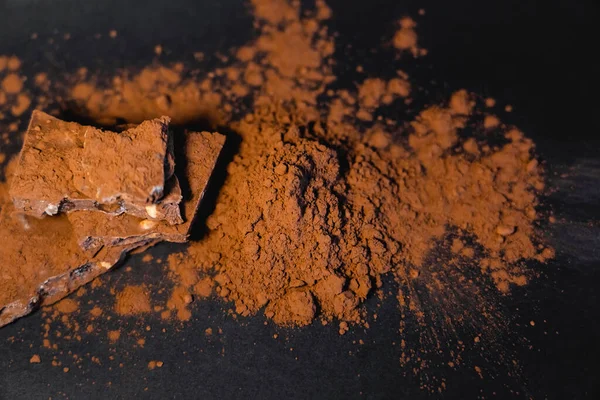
point(65, 167)
point(166, 209)
point(201, 151)
point(42, 262)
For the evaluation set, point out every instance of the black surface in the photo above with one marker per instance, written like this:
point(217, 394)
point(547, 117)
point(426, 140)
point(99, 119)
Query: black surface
point(536, 56)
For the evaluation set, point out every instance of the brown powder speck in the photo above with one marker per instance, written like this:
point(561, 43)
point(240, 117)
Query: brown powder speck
point(204, 287)
point(490, 121)
point(96, 283)
point(405, 38)
point(490, 102)
point(67, 306)
point(343, 327)
point(41, 79)
point(179, 301)
point(96, 311)
point(133, 300)
point(22, 104)
point(478, 370)
point(113, 336)
point(12, 83)
point(13, 63)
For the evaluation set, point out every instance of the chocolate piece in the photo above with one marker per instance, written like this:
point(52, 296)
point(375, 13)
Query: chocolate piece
point(129, 165)
point(65, 166)
point(42, 262)
point(95, 231)
point(166, 209)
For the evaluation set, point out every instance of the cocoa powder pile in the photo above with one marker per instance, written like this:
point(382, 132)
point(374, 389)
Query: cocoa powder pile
point(316, 207)
point(325, 198)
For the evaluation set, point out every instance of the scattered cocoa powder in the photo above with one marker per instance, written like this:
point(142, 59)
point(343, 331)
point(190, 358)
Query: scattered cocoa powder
point(288, 200)
point(133, 300)
point(374, 92)
point(490, 121)
point(113, 336)
point(12, 83)
point(406, 38)
point(317, 207)
point(155, 364)
point(22, 104)
point(153, 91)
point(67, 306)
point(178, 303)
point(96, 311)
point(13, 63)
point(294, 232)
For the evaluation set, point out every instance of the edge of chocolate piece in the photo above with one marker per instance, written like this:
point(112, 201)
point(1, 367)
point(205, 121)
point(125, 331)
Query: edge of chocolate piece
point(57, 287)
point(198, 170)
point(56, 274)
point(68, 189)
point(202, 150)
point(127, 165)
point(166, 209)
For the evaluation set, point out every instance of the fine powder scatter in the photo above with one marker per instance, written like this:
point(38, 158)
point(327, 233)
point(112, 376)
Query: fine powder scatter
point(67, 306)
point(133, 300)
point(309, 220)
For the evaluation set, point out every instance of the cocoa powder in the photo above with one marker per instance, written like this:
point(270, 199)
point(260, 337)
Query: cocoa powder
point(405, 38)
point(293, 232)
point(133, 300)
point(101, 167)
point(324, 199)
point(152, 91)
point(313, 218)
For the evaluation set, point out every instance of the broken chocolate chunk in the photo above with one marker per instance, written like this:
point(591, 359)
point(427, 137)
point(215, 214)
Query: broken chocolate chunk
point(201, 151)
point(65, 167)
point(43, 261)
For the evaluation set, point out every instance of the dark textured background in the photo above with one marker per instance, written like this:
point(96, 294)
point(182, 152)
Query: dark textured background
point(536, 56)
